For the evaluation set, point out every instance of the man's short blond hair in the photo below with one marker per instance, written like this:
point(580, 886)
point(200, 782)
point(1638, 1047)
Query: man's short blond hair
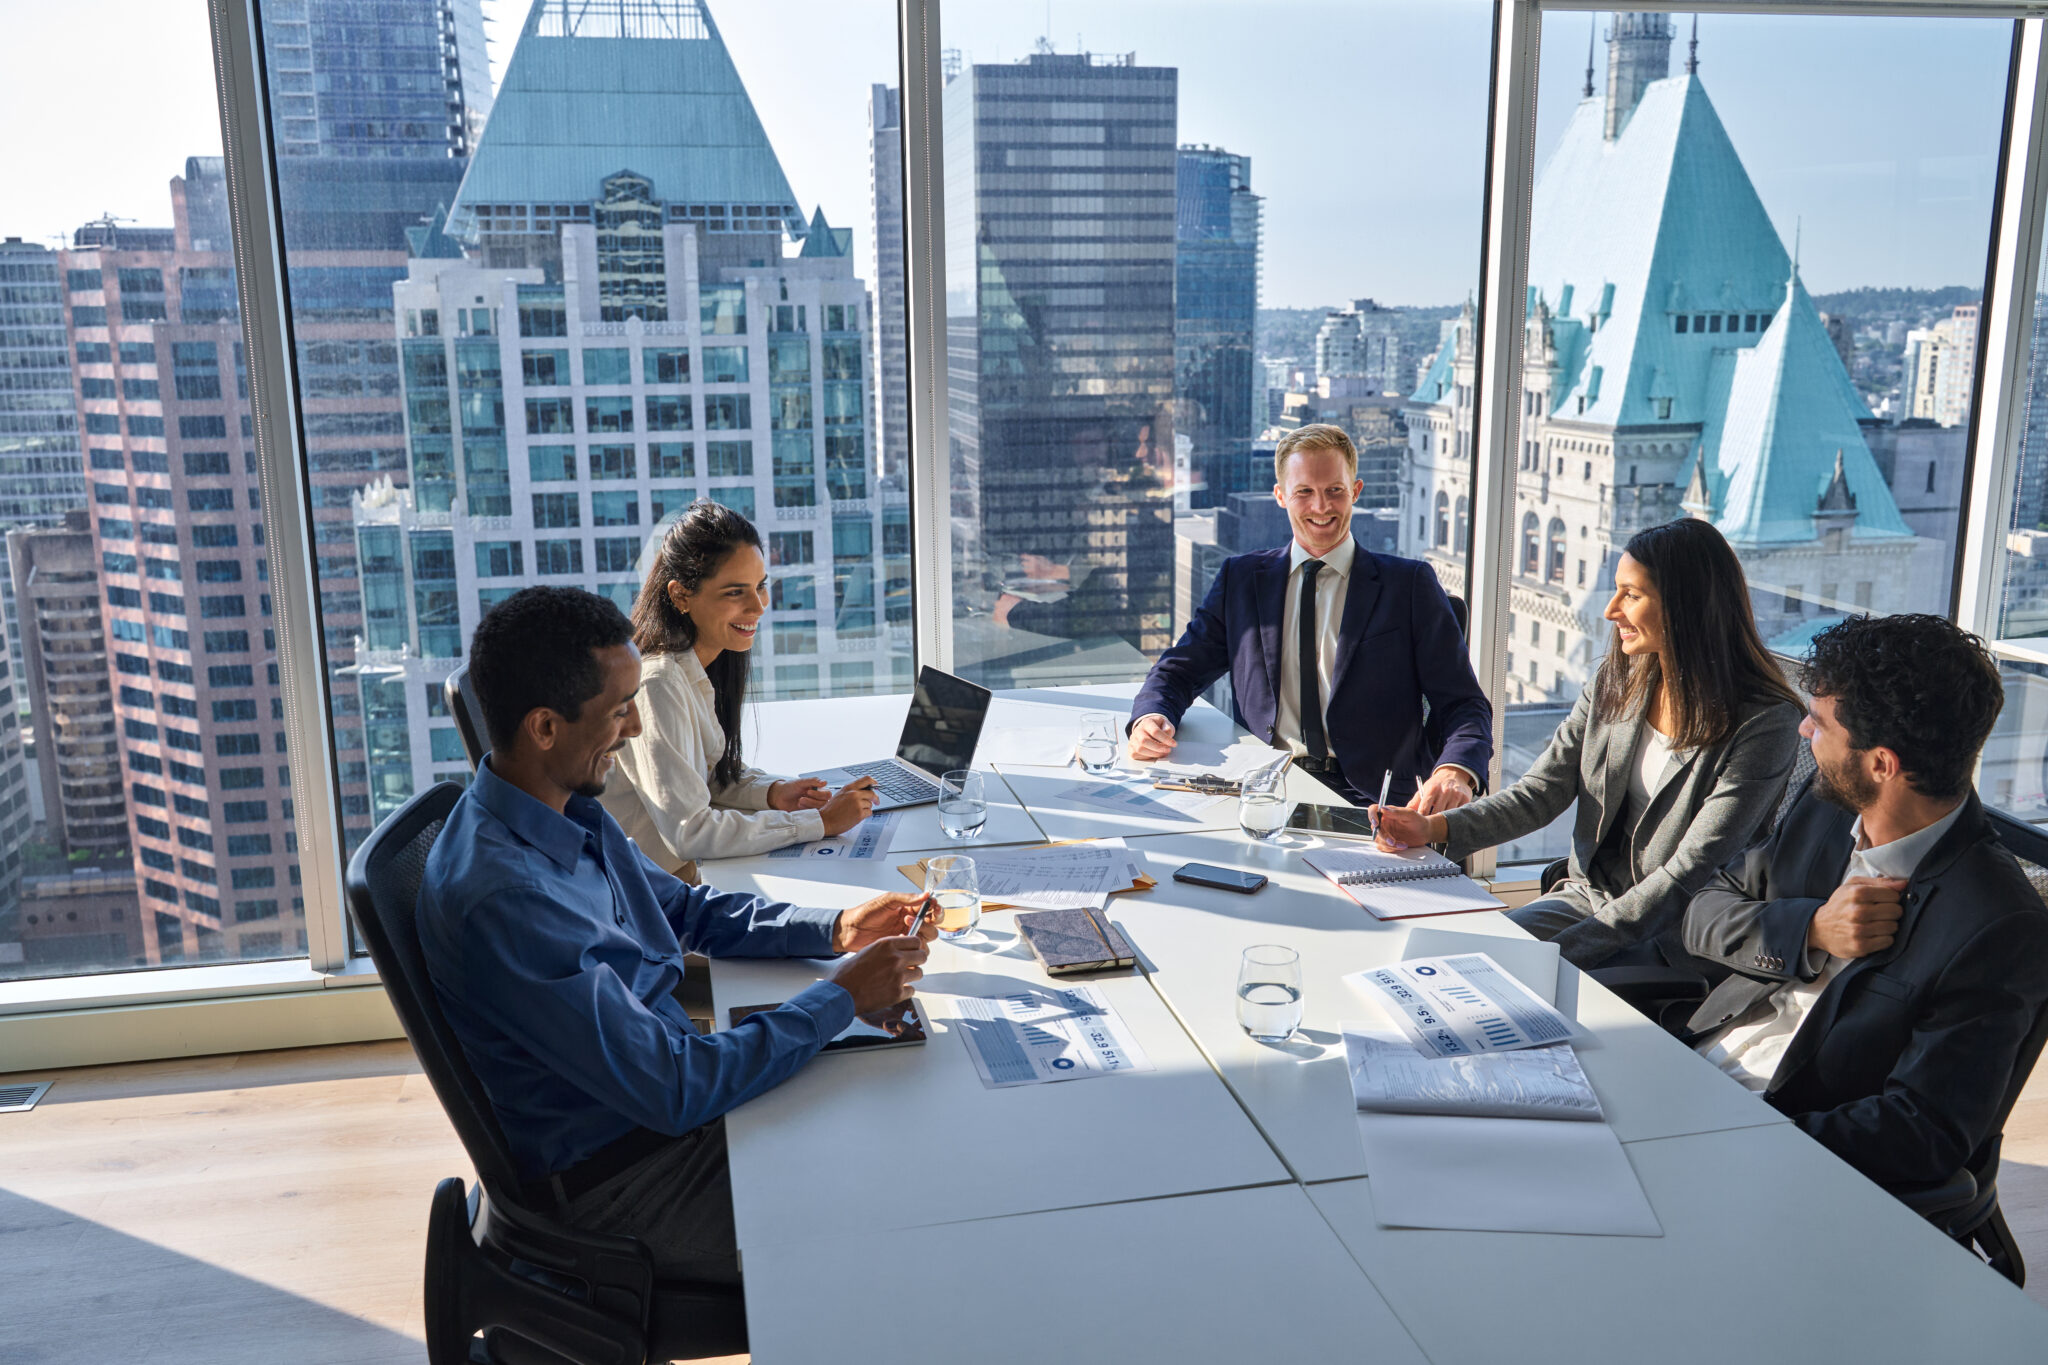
point(1314, 436)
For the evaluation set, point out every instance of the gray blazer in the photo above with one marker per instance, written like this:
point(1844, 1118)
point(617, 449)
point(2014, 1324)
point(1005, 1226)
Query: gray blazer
point(1711, 803)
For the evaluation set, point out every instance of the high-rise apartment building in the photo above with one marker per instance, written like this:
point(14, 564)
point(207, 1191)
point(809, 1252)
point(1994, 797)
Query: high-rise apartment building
point(1941, 367)
point(176, 518)
point(1360, 344)
point(1061, 174)
point(40, 471)
point(64, 670)
point(1674, 366)
point(892, 335)
point(1216, 313)
point(587, 350)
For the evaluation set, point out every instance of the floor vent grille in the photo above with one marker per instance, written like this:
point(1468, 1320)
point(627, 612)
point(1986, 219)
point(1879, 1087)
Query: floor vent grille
point(19, 1099)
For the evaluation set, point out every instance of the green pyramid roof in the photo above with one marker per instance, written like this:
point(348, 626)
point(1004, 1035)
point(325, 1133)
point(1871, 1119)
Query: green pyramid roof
point(430, 240)
point(824, 240)
point(575, 107)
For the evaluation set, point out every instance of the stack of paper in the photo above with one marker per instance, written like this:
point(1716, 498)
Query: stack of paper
point(1067, 1033)
point(1458, 1114)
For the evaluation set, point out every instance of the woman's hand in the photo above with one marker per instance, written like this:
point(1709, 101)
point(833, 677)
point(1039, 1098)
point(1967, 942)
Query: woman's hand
point(849, 805)
point(798, 793)
point(1401, 828)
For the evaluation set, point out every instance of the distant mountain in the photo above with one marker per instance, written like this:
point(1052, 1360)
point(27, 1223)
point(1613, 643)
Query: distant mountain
point(1914, 307)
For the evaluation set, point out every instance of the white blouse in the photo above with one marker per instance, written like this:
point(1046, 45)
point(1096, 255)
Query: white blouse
point(661, 792)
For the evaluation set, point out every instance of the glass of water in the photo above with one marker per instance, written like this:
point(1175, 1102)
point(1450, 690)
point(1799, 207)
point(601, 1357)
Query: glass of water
point(1098, 743)
point(951, 882)
point(963, 806)
point(1262, 803)
point(1269, 992)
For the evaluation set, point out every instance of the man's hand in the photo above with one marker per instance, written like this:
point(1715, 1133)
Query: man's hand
point(1151, 738)
point(1861, 918)
point(1402, 828)
point(1005, 604)
point(849, 805)
point(798, 793)
point(1447, 789)
point(888, 915)
point(880, 975)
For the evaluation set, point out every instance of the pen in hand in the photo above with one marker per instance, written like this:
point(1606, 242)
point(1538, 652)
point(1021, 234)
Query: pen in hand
point(924, 910)
point(1386, 785)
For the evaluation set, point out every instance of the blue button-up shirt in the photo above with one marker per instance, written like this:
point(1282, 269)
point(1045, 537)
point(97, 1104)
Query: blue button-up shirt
point(554, 945)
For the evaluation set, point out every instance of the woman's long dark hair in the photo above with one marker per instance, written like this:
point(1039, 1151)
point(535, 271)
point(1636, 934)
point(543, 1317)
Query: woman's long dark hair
point(694, 549)
point(1718, 662)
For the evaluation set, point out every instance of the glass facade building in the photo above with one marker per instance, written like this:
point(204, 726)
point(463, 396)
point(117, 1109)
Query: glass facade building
point(1216, 309)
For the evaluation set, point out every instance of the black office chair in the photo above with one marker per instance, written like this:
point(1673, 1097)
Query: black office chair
point(539, 1291)
point(1667, 994)
point(469, 715)
point(1965, 1206)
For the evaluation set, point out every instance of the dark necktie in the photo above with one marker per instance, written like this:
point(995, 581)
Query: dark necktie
point(1311, 690)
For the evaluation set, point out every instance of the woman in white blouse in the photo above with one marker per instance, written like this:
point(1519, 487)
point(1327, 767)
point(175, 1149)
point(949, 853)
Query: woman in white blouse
point(687, 792)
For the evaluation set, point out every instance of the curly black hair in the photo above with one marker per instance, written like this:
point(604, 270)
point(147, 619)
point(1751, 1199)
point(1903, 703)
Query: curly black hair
point(1915, 684)
point(538, 648)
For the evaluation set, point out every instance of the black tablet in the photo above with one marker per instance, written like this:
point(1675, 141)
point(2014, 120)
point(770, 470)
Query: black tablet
point(1343, 822)
point(897, 1026)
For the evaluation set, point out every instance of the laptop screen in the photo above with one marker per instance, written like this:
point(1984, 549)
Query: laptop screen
point(944, 723)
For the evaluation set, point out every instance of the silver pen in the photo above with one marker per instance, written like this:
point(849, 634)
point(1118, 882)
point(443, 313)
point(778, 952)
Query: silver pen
point(1386, 785)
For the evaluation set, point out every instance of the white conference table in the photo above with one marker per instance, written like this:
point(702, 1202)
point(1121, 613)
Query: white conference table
point(1772, 1246)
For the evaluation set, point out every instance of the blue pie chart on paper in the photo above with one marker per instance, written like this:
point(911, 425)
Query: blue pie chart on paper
point(1063, 1063)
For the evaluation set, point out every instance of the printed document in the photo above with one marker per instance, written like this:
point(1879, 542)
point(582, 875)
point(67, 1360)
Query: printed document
point(1389, 1076)
point(1146, 802)
point(1460, 1004)
point(1192, 757)
point(867, 840)
point(1041, 1034)
point(1053, 877)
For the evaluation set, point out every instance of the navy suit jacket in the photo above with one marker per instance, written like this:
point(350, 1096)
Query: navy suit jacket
point(1397, 647)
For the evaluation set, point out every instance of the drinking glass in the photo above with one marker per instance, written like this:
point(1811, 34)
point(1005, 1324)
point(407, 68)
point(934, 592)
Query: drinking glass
point(1098, 744)
point(963, 808)
point(952, 884)
point(1262, 804)
point(1269, 992)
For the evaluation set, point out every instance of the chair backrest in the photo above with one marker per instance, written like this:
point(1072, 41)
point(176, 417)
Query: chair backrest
point(469, 715)
point(383, 891)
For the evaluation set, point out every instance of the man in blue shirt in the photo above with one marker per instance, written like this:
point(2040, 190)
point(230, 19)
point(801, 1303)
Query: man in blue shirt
point(555, 945)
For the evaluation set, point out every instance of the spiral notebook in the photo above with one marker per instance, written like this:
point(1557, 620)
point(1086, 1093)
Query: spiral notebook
point(1402, 885)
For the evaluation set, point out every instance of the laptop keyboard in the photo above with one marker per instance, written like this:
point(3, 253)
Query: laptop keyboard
point(893, 782)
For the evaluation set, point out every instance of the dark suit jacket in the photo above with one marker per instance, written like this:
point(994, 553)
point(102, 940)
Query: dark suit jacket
point(1397, 646)
point(1901, 1069)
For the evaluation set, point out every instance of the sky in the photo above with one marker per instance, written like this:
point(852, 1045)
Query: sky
point(1365, 120)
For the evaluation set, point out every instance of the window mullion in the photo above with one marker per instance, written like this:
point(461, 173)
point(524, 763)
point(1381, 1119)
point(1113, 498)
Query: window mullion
point(287, 516)
point(924, 251)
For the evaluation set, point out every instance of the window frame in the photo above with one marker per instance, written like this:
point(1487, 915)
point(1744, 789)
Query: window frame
point(42, 1013)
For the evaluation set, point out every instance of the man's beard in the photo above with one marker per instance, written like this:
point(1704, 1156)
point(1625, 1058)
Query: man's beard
point(1847, 788)
point(595, 787)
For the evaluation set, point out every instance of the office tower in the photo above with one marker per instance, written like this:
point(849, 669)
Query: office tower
point(63, 666)
point(376, 105)
point(892, 335)
point(586, 351)
point(1675, 366)
point(1216, 308)
point(1060, 245)
point(176, 518)
point(1359, 348)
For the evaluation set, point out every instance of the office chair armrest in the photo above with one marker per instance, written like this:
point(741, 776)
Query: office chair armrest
point(1647, 983)
point(1553, 873)
point(1930, 1201)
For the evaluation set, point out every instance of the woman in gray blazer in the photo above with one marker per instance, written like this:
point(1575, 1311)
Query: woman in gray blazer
point(1676, 753)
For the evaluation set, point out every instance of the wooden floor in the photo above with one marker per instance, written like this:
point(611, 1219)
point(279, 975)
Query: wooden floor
point(272, 1207)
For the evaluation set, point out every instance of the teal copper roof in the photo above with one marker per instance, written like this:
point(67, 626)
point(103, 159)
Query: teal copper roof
point(1791, 414)
point(573, 109)
point(430, 241)
point(824, 240)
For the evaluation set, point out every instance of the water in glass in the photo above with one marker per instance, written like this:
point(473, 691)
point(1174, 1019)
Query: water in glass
point(963, 806)
point(1098, 742)
point(1269, 992)
point(1262, 815)
point(953, 884)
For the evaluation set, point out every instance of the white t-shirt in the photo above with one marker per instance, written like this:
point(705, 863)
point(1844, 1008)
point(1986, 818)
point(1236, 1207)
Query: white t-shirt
point(1646, 774)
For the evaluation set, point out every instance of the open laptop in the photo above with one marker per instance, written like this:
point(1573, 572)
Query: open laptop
point(939, 735)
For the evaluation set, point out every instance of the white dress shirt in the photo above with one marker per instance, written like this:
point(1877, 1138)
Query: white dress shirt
point(661, 793)
point(1751, 1052)
point(1333, 585)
